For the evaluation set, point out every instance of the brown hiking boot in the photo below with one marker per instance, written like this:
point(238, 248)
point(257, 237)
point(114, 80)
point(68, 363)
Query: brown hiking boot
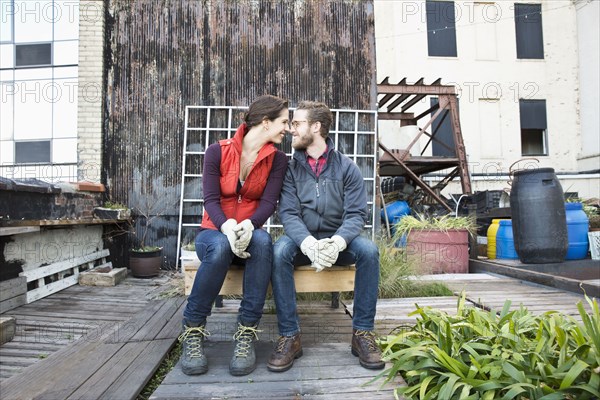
point(366, 349)
point(282, 358)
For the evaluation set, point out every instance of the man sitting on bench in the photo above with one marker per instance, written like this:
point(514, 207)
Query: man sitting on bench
point(323, 208)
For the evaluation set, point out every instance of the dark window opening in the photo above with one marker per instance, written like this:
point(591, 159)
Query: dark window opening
point(29, 55)
point(533, 127)
point(442, 127)
point(32, 152)
point(441, 28)
point(533, 142)
point(528, 25)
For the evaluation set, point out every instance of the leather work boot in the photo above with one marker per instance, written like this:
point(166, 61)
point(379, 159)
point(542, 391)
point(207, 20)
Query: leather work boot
point(244, 357)
point(366, 349)
point(193, 359)
point(282, 358)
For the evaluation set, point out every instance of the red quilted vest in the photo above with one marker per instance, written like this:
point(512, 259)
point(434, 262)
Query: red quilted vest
point(242, 205)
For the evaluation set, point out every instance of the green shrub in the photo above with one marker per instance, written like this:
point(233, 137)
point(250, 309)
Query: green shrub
point(479, 354)
point(396, 273)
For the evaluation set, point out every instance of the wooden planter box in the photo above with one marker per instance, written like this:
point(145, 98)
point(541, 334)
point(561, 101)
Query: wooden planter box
point(438, 252)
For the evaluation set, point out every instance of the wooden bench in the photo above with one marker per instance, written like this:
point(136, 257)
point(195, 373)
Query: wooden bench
point(335, 279)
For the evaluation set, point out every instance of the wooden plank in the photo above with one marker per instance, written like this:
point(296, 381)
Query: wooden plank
point(328, 280)
point(105, 377)
point(307, 280)
point(50, 288)
point(54, 268)
point(75, 363)
point(13, 287)
point(18, 230)
point(8, 327)
point(79, 314)
point(132, 326)
point(12, 293)
point(131, 381)
point(172, 329)
point(159, 320)
point(13, 303)
point(317, 372)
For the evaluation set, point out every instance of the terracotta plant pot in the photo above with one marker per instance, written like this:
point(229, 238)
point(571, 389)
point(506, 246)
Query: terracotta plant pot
point(145, 264)
point(438, 252)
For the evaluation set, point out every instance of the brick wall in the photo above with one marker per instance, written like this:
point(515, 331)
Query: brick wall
point(89, 115)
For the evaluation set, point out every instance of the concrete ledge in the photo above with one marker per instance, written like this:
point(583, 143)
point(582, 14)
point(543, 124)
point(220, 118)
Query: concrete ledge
point(96, 278)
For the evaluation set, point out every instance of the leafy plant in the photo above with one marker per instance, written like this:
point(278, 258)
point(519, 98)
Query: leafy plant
point(479, 354)
point(189, 246)
point(114, 205)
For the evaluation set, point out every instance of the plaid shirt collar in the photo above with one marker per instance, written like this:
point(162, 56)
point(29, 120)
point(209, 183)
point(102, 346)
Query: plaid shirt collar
point(318, 164)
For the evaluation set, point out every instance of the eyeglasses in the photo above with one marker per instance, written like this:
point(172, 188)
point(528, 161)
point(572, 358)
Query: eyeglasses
point(296, 124)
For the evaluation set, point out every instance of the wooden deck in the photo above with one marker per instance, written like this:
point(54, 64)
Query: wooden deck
point(93, 342)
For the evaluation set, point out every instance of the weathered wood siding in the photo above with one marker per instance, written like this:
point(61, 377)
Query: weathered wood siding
point(166, 54)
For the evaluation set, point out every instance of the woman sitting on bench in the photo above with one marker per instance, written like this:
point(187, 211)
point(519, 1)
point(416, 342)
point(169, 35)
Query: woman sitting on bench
point(242, 179)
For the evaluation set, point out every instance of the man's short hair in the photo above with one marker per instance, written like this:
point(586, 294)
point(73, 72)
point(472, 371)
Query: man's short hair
point(317, 112)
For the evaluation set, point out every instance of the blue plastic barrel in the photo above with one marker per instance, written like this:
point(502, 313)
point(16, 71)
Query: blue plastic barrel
point(577, 231)
point(397, 208)
point(505, 244)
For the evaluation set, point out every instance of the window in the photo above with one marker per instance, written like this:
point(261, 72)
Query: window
point(442, 128)
point(28, 55)
point(441, 28)
point(533, 127)
point(528, 25)
point(32, 152)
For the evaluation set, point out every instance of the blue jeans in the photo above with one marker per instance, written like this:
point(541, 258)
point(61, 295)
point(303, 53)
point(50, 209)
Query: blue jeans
point(361, 251)
point(215, 253)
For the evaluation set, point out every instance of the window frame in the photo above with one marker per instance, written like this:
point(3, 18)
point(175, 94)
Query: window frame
point(447, 46)
point(529, 38)
point(47, 160)
point(533, 116)
point(51, 64)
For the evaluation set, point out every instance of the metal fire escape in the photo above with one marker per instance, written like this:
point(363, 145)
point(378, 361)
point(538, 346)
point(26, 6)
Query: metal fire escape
point(395, 103)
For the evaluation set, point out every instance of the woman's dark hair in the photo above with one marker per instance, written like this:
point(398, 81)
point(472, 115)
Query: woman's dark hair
point(266, 106)
point(317, 112)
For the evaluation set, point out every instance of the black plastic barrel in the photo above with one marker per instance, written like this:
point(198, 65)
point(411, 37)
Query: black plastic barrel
point(538, 216)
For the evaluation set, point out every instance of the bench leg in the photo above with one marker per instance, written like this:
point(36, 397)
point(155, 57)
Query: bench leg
point(335, 299)
point(219, 301)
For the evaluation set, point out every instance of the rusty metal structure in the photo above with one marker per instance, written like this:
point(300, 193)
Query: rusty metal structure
point(396, 104)
point(162, 55)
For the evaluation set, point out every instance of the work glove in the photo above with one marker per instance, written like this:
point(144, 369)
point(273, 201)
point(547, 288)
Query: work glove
point(310, 248)
point(230, 229)
point(244, 232)
point(330, 248)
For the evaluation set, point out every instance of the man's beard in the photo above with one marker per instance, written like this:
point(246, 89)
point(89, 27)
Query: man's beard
point(302, 142)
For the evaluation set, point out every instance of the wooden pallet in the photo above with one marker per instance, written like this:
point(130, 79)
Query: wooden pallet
point(335, 279)
point(13, 293)
point(63, 273)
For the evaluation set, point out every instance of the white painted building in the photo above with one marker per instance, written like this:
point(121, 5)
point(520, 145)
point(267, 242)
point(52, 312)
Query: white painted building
point(516, 67)
point(51, 76)
point(588, 32)
point(51, 89)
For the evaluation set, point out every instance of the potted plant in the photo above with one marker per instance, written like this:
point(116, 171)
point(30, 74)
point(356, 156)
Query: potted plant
point(436, 244)
point(112, 210)
point(145, 260)
point(188, 252)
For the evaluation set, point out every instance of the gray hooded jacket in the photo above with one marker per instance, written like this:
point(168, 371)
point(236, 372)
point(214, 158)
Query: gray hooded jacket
point(333, 204)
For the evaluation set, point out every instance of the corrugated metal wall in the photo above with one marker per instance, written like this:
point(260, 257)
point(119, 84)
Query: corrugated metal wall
point(166, 54)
